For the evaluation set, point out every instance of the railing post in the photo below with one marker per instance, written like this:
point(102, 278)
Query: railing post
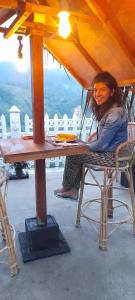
point(65, 120)
point(83, 137)
point(3, 125)
point(56, 123)
point(75, 119)
point(77, 116)
point(15, 124)
point(46, 122)
point(27, 125)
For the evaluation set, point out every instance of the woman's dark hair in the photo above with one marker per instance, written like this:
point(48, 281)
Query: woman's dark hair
point(111, 83)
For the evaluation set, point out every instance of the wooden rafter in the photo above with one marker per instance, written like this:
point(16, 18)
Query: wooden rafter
point(113, 26)
point(83, 51)
point(68, 67)
point(52, 11)
point(22, 30)
point(23, 15)
point(2, 30)
point(76, 41)
point(7, 16)
point(56, 37)
point(87, 56)
point(126, 82)
point(80, 48)
point(45, 28)
point(52, 18)
point(33, 7)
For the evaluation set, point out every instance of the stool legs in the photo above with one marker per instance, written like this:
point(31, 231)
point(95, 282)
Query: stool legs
point(103, 223)
point(2, 231)
point(6, 233)
point(106, 203)
point(80, 198)
point(103, 220)
point(132, 195)
point(110, 196)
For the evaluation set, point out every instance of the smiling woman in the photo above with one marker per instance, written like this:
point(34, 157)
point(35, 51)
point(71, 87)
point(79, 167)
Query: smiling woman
point(108, 108)
point(101, 93)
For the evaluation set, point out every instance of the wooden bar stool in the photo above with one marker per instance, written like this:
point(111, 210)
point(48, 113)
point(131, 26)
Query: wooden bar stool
point(6, 229)
point(123, 163)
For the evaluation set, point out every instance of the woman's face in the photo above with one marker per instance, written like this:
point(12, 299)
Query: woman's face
point(102, 93)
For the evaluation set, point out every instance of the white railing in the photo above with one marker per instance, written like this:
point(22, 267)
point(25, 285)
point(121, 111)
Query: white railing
point(56, 125)
point(52, 126)
point(3, 129)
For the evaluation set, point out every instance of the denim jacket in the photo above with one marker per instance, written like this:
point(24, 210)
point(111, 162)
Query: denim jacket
point(112, 130)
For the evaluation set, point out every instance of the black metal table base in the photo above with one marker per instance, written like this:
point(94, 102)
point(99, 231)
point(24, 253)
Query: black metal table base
point(29, 255)
point(14, 176)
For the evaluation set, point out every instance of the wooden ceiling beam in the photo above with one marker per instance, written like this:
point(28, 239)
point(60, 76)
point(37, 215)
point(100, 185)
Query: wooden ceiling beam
point(65, 64)
point(2, 29)
point(75, 41)
point(112, 26)
point(7, 16)
point(43, 9)
point(89, 59)
point(21, 30)
point(54, 36)
point(126, 82)
point(54, 21)
point(52, 11)
point(42, 27)
point(80, 48)
point(19, 20)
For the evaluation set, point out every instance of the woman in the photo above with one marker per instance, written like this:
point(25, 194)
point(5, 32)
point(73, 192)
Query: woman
point(112, 121)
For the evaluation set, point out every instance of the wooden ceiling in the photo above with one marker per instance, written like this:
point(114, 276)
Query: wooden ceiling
point(102, 38)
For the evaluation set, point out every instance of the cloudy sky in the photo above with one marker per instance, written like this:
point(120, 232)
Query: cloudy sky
point(9, 48)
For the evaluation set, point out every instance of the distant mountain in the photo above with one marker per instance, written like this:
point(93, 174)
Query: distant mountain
point(10, 75)
point(62, 92)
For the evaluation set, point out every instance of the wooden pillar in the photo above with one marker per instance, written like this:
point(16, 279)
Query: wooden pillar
point(37, 78)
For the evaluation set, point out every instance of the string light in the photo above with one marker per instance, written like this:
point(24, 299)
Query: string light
point(21, 66)
point(64, 24)
point(20, 54)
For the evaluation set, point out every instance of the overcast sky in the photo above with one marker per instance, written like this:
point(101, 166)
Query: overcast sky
point(9, 49)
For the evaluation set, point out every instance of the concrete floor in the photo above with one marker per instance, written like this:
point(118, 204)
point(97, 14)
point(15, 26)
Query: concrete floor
point(86, 273)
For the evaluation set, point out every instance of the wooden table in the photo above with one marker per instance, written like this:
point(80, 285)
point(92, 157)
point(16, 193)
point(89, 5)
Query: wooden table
point(15, 150)
point(42, 236)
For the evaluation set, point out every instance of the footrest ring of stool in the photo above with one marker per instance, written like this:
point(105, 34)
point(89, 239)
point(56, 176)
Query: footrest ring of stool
point(115, 221)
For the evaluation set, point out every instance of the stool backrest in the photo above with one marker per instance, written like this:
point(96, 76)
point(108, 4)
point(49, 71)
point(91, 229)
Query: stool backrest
point(125, 151)
point(131, 130)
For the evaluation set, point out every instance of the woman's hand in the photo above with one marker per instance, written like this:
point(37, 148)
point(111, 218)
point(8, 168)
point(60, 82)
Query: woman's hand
point(92, 137)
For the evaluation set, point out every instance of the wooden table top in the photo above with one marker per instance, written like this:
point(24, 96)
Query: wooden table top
point(14, 150)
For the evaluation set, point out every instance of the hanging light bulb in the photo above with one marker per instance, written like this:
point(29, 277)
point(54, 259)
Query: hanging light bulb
point(21, 66)
point(64, 24)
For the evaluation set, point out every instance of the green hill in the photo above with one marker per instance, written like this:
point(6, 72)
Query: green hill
point(62, 92)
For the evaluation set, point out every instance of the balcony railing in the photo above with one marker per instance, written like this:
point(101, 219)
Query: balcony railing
point(52, 126)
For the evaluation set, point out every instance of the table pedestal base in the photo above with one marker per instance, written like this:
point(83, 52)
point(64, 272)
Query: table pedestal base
point(40, 241)
point(23, 175)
